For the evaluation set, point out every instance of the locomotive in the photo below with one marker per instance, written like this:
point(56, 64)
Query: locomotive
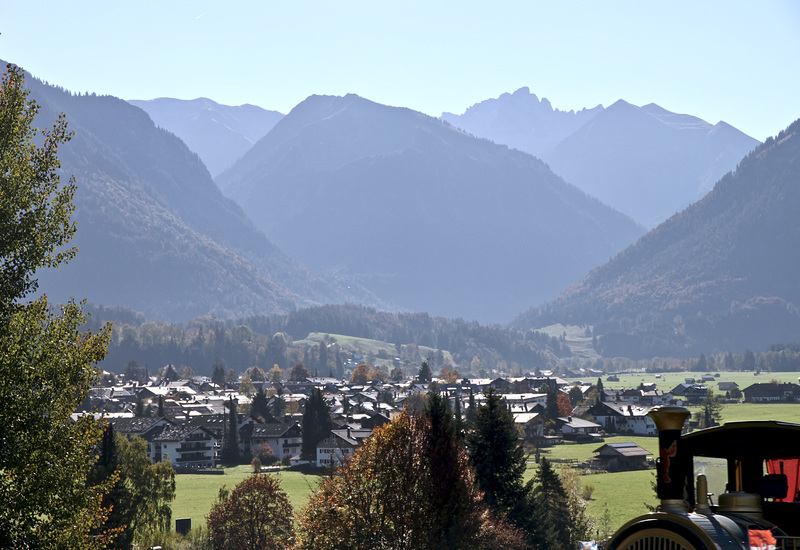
point(757, 506)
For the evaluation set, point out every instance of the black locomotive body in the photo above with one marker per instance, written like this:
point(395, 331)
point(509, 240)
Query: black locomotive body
point(758, 508)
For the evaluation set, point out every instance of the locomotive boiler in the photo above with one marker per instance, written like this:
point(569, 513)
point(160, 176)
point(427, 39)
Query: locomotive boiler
point(758, 505)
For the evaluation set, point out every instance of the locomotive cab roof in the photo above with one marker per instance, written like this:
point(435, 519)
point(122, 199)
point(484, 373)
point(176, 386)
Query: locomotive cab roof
point(761, 439)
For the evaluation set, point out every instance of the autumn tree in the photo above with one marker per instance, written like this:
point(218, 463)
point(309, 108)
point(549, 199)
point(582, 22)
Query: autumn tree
point(275, 374)
point(256, 514)
point(361, 374)
point(299, 373)
point(450, 376)
point(46, 359)
point(388, 496)
point(564, 405)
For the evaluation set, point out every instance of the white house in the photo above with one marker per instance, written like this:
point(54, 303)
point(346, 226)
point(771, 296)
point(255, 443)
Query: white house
point(184, 446)
point(339, 445)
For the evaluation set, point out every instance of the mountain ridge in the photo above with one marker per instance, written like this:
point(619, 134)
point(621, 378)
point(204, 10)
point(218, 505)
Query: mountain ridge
point(646, 162)
point(692, 283)
point(443, 198)
point(219, 134)
point(154, 231)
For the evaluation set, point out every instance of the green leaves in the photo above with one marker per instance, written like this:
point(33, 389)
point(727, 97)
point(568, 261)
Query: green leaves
point(35, 208)
point(46, 361)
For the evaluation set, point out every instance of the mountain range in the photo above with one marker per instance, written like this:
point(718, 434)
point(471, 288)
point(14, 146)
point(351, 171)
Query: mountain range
point(646, 162)
point(219, 134)
point(348, 201)
point(155, 233)
point(426, 216)
point(721, 275)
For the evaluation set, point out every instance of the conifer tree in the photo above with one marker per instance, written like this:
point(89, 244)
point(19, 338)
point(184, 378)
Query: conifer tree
point(549, 523)
point(259, 407)
point(317, 423)
point(497, 454)
point(424, 374)
point(230, 438)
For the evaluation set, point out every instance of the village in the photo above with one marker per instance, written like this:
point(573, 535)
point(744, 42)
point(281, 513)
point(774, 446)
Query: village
point(184, 421)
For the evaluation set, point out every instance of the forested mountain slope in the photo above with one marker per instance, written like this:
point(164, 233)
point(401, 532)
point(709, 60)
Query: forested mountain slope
point(154, 232)
point(721, 275)
point(426, 216)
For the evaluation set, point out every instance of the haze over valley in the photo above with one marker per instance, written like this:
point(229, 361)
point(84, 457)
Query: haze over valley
point(344, 200)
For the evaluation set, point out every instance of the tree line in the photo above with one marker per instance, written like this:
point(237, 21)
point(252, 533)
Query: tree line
point(270, 340)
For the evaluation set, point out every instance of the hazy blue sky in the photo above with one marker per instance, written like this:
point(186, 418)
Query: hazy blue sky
point(737, 61)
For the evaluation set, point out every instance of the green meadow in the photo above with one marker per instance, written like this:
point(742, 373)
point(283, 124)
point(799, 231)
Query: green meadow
point(196, 493)
point(667, 381)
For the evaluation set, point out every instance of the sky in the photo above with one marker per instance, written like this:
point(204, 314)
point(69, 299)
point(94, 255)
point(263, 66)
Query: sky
point(737, 61)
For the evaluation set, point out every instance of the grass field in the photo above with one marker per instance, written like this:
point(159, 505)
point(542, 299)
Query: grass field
point(669, 380)
point(196, 493)
point(366, 347)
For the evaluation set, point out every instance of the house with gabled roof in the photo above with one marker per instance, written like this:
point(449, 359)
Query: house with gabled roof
point(690, 393)
point(622, 417)
point(771, 392)
point(532, 424)
point(283, 440)
point(185, 446)
point(573, 427)
point(616, 457)
point(140, 426)
point(339, 445)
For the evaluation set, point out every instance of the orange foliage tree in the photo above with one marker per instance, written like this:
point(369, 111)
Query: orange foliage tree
point(389, 496)
point(256, 514)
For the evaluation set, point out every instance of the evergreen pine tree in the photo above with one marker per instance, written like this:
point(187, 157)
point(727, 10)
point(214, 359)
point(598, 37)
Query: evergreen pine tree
point(424, 374)
point(497, 455)
point(449, 493)
point(139, 412)
point(116, 499)
point(458, 420)
point(259, 407)
point(230, 438)
point(219, 371)
point(549, 525)
point(317, 423)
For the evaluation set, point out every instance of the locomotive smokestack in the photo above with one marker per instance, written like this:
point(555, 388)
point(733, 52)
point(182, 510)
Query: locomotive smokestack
point(672, 466)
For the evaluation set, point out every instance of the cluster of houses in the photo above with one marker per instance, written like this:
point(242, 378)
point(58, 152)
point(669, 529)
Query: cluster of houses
point(184, 421)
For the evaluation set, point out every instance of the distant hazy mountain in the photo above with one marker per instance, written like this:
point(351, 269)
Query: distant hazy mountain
point(155, 233)
point(646, 162)
point(721, 275)
point(522, 121)
point(423, 214)
point(219, 134)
